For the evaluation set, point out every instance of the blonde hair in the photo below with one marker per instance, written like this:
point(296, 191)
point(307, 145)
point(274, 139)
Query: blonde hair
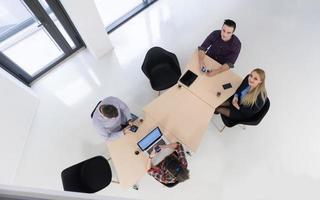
point(251, 98)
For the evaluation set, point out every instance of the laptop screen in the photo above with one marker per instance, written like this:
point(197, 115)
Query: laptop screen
point(149, 139)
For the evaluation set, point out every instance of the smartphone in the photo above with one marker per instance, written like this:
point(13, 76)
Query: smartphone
point(227, 86)
point(157, 149)
point(133, 128)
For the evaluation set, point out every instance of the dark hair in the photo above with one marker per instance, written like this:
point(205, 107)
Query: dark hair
point(109, 111)
point(175, 168)
point(230, 23)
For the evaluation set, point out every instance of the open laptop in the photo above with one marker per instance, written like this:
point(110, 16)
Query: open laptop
point(150, 141)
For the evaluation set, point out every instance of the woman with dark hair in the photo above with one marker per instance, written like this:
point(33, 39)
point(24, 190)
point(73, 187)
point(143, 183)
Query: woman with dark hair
point(173, 168)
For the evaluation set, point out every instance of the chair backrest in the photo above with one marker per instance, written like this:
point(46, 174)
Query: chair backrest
point(156, 56)
point(256, 119)
point(88, 176)
point(161, 68)
point(94, 109)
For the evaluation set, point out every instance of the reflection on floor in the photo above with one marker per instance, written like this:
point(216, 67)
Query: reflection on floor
point(279, 159)
point(119, 8)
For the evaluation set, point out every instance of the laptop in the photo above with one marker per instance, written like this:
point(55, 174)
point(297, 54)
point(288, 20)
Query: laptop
point(150, 141)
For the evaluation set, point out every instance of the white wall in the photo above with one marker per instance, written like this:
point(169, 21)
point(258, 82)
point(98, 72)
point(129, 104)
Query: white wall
point(87, 20)
point(18, 105)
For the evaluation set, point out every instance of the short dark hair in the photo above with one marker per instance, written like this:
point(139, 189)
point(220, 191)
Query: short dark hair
point(230, 23)
point(109, 111)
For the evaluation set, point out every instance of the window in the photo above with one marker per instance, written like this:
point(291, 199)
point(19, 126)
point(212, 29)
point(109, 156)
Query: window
point(115, 13)
point(35, 35)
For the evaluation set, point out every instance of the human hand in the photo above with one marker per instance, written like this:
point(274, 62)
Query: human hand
point(235, 103)
point(211, 72)
point(130, 122)
point(126, 130)
point(152, 154)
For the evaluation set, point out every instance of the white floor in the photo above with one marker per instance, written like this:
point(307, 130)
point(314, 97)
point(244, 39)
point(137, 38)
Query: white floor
point(279, 159)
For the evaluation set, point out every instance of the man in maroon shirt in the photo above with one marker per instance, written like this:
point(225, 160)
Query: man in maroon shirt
point(221, 45)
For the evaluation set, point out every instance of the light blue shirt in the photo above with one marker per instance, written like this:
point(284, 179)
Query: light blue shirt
point(242, 94)
point(110, 128)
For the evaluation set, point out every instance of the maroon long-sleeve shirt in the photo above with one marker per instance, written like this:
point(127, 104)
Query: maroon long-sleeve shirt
point(221, 51)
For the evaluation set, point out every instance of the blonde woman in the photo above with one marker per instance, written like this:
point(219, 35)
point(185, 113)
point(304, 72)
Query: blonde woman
point(248, 99)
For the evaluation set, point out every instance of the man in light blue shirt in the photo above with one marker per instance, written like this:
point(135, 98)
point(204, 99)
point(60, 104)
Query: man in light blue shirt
point(110, 118)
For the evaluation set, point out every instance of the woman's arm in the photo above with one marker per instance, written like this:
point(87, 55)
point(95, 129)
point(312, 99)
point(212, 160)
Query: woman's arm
point(243, 85)
point(255, 108)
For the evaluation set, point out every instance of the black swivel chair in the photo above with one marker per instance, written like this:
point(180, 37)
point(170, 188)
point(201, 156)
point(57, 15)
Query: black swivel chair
point(88, 176)
point(253, 121)
point(162, 68)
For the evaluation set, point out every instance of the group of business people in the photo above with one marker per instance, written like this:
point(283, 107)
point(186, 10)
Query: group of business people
point(112, 116)
point(224, 47)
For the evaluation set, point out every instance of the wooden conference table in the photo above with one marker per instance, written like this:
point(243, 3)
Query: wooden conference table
point(182, 113)
point(129, 166)
point(186, 111)
point(206, 88)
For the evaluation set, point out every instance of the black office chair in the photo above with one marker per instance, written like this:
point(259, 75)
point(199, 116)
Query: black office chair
point(162, 68)
point(253, 121)
point(88, 176)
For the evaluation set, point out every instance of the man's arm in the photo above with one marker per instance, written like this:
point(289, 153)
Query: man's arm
point(221, 69)
point(204, 47)
point(125, 109)
point(208, 41)
point(152, 154)
point(149, 165)
point(201, 55)
point(232, 57)
point(106, 133)
point(182, 156)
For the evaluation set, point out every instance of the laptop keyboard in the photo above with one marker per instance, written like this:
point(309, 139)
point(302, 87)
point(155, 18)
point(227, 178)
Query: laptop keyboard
point(160, 142)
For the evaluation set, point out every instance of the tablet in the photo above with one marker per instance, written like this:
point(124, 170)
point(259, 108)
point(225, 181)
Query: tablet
point(188, 78)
